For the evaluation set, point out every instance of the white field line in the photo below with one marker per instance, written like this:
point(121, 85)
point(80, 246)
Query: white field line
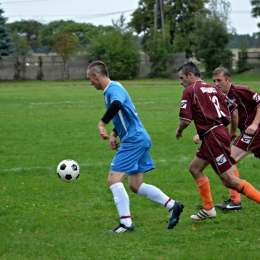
point(54, 103)
point(34, 104)
point(50, 168)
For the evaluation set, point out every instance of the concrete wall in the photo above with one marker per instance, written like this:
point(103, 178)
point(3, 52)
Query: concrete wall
point(52, 67)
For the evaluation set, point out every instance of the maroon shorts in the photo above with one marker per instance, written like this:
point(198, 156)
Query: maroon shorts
point(249, 142)
point(215, 148)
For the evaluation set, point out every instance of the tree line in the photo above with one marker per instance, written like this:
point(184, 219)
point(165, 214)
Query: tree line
point(159, 28)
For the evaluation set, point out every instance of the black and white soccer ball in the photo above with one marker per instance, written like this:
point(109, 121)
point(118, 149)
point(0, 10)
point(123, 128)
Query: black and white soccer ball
point(68, 170)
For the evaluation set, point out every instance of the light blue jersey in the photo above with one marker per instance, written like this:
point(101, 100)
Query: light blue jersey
point(127, 123)
point(133, 155)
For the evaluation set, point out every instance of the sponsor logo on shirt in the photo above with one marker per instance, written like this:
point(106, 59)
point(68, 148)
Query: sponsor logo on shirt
point(256, 97)
point(246, 139)
point(208, 90)
point(184, 104)
point(220, 159)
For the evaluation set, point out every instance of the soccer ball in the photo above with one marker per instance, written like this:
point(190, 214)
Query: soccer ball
point(68, 170)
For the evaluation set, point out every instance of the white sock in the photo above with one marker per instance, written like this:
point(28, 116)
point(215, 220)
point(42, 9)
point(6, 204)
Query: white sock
point(122, 203)
point(156, 195)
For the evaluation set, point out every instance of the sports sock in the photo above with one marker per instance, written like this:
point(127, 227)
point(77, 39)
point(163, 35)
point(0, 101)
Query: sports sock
point(234, 195)
point(205, 194)
point(156, 195)
point(249, 191)
point(122, 203)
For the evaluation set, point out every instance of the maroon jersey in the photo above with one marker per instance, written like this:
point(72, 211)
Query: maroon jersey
point(247, 102)
point(206, 105)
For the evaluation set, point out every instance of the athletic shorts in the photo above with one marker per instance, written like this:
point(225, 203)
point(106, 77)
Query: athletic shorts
point(131, 158)
point(249, 142)
point(215, 148)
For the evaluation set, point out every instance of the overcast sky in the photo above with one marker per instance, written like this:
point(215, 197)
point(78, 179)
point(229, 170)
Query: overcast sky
point(101, 12)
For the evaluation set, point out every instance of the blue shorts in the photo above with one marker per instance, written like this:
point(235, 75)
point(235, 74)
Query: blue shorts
point(132, 159)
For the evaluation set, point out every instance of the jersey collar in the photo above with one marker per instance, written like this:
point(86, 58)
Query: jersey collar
point(105, 89)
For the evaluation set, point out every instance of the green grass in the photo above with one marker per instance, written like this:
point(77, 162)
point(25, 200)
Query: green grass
point(42, 217)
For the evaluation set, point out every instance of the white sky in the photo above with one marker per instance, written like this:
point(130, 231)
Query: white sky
point(101, 12)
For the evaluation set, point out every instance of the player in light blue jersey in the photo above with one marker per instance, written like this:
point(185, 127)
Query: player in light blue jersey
point(133, 154)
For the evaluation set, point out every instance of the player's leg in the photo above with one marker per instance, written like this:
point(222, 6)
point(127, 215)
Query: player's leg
point(242, 186)
point(234, 202)
point(121, 199)
point(196, 169)
point(119, 168)
point(151, 192)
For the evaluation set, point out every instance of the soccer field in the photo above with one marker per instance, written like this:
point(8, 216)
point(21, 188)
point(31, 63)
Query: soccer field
point(45, 218)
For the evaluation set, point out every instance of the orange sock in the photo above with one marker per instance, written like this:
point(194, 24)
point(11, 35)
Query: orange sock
point(249, 191)
point(234, 195)
point(205, 194)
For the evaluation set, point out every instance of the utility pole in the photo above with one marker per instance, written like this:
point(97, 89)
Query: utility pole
point(155, 15)
point(162, 19)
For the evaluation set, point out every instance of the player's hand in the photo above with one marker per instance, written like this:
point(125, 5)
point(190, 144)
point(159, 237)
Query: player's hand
point(113, 144)
point(233, 136)
point(251, 129)
point(196, 139)
point(178, 134)
point(103, 132)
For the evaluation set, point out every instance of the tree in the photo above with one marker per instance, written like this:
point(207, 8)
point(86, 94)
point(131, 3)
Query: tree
point(256, 10)
point(179, 19)
point(119, 49)
point(210, 44)
point(84, 32)
point(65, 43)
point(6, 46)
point(25, 35)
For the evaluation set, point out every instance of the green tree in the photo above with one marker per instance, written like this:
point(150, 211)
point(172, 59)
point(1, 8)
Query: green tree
point(83, 31)
point(210, 44)
point(119, 49)
point(6, 45)
point(177, 19)
point(158, 55)
point(25, 35)
point(256, 10)
point(29, 29)
point(65, 44)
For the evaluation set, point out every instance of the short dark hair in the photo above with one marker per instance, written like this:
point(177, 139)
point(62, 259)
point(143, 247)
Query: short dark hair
point(98, 67)
point(221, 69)
point(190, 67)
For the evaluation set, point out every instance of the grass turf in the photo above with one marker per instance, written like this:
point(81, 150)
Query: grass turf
point(42, 217)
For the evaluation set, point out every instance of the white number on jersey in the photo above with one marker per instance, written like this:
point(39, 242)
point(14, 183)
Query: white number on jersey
point(215, 101)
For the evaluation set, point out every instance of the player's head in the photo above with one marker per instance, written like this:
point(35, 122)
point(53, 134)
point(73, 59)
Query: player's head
point(188, 73)
point(222, 79)
point(98, 67)
point(97, 73)
point(220, 70)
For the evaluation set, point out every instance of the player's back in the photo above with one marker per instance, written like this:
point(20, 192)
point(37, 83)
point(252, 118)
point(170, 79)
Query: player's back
point(209, 106)
point(127, 122)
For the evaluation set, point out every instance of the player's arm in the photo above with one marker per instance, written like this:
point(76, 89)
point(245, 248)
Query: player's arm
point(183, 124)
point(253, 127)
point(108, 116)
point(233, 124)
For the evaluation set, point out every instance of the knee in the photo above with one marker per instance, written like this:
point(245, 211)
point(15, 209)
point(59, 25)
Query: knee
point(112, 180)
point(133, 188)
point(227, 183)
point(109, 181)
point(230, 182)
point(193, 170)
